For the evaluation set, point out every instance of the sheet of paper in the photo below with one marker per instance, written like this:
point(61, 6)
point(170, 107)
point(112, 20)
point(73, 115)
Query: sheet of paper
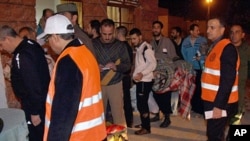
point(209, 114)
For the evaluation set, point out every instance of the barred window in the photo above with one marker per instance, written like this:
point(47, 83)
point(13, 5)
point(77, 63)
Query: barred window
point(121, 12)
point(125, 2)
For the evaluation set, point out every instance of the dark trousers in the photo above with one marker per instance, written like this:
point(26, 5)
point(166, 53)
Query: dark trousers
point(196, 101)
point(35, 132)
point(142, 93)
point(128, 110)
point(216, 127)
point(164, 102)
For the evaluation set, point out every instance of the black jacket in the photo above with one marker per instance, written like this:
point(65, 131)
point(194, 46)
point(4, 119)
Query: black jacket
point(30, 77)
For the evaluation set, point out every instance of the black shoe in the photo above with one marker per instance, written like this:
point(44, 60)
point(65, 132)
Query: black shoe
point(155, 118)
point(130, 125)
point(165, 123)
point(142, 131)
point(138, 126)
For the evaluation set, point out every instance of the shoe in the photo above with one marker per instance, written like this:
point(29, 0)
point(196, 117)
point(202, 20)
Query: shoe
point(138, 126)
point(142, 131)
point(130, 125)
point(166, 122)
point(155, 118)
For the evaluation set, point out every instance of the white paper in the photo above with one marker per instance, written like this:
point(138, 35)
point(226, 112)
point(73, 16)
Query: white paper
point(209, 114)
point(105, 68)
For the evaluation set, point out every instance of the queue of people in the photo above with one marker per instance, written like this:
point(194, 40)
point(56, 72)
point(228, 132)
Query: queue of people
point(70, 101)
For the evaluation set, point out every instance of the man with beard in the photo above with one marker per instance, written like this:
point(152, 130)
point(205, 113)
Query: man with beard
point(177, 39)
point(93, 29)
point(113, 59)
point(145, 64)
point(164, 51)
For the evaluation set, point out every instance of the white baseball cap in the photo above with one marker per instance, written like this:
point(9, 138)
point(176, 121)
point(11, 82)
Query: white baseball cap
point(57, 24)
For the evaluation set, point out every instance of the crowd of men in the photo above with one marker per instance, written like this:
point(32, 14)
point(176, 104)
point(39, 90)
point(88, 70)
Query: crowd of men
point(95, 69)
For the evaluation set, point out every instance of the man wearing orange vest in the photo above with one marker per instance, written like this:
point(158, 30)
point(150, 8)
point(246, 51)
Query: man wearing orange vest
point(219, 81)
point(74, 107)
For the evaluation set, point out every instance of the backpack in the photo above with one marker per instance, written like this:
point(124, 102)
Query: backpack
point(143, 53)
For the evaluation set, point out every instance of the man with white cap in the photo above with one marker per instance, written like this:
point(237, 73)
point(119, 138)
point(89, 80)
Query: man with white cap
point(74, 106)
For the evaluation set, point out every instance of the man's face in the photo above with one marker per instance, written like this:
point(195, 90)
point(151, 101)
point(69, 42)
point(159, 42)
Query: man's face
point(214, 29)
point(195, 33)
point(156, 30)
point(135, 39)
point(89, 30)
point(236, 34)
point(71, 18)
point(107, 33)
point(173, 34)
point(54, 43)
point(48, 14)
point(5, 45)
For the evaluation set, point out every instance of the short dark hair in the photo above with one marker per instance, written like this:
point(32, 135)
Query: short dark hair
point(45, 11)
point(7, 31)
point(192, 26)
point(221, 20)
point(135, 31)
point(123, 30)
point(158, 22)
point(178, 29)
point(240, 25)
point(107, 22)
point(95, 24)
point(29, 29)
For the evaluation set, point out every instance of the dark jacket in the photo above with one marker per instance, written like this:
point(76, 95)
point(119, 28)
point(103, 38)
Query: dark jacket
point(84, 38)
point(30, 77)
point(227, 78)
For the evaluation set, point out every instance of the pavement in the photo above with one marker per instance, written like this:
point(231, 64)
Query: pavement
point(180, 129)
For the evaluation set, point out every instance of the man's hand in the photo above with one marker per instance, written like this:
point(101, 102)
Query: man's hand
point(35, 119)
point(217, 113)
point(111, 65)
point(138, 77)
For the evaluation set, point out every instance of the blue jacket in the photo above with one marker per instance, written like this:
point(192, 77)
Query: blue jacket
point(189, 51)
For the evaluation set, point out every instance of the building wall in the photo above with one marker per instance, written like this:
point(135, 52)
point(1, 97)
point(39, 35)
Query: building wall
point(17, 13)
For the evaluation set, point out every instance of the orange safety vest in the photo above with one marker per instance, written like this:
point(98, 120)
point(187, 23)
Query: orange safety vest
point(90, 123)
point(211, 74)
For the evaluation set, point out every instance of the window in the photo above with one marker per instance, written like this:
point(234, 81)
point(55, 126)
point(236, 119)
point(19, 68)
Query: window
point(121, 12)
point(125, 2)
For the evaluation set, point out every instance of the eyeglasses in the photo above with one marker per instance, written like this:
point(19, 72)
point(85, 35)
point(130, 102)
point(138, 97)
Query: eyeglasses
point(46, 38)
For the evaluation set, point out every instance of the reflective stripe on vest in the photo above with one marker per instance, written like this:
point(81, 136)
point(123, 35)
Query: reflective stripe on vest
point(216, 87)
point(211, 74)
point(89, 123)
point(85, 103)
point(84, 125)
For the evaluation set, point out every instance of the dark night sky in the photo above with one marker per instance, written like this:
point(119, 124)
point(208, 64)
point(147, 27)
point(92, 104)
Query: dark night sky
point(234, 11)
point(195, 9)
